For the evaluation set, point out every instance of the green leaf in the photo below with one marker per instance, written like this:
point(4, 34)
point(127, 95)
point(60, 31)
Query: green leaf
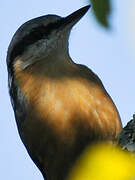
point(102, 10)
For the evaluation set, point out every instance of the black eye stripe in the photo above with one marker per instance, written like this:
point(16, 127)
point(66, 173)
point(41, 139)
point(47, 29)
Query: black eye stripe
point(34, 35)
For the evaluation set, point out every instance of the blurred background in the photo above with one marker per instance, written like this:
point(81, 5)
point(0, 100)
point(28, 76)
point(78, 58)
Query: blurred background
point(105, 46)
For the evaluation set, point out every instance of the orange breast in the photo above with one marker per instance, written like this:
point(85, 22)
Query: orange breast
point(64, 102)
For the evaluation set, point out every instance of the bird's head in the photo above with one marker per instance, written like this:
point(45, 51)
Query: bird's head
point(41, 37)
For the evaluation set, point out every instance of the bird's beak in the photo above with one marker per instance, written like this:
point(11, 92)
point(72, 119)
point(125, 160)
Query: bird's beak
point(73, 18)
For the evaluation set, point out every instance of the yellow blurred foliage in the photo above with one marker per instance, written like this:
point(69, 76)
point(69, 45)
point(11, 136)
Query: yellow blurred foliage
point(104, 162)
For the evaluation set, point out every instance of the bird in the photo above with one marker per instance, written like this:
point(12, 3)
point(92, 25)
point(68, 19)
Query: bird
point(60, 106)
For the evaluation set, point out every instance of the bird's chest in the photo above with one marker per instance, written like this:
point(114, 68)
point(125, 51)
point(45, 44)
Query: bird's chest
point(56, 99)
point(63, 103)
point(56, 109)
point(60, 104)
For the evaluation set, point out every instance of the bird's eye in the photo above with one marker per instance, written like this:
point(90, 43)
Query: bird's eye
point(33, 36)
